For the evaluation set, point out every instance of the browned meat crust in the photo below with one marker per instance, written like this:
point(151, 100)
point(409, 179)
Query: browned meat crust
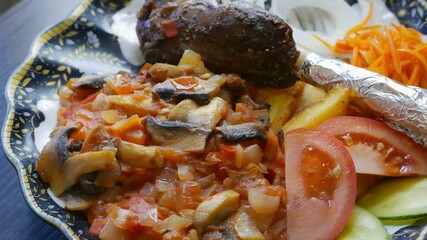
point(231, 35)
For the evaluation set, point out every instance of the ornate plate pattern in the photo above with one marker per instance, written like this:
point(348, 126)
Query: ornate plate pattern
point(83, 43)
point(412, 13)
point(79, 44)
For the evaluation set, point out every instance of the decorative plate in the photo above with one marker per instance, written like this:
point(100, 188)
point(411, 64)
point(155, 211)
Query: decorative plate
point(86, 42)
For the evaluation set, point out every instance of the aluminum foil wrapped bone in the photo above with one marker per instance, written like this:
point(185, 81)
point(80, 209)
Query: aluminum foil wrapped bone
point(402, 107)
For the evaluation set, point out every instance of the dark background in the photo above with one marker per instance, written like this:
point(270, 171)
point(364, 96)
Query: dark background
point(6, 4)
point(20, 24)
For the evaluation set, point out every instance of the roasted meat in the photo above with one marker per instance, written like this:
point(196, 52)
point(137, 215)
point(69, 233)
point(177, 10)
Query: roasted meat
point(232, 36)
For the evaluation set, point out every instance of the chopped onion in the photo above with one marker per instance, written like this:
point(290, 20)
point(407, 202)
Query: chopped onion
point(185, 172)
point(187, 213)
point(206, 181)
point(278, 227)
point(112, 116)
point(201, 166)
point(164, 186)
point(192, 62)
point(100, 103)
point(149, 192)
point(173, 222)
point(258, 199)
point(263, 221)
point(239, 156)
point(121, 216)
point(258, 114)
point(209, 191)
point(245, 227)
point(229, 183)
point(166, 181)
point(243, 174)
point(253, 154)
point(168, 199)
point(193, 234)
point(171, 70)
point(235, 117)
point(111, 232)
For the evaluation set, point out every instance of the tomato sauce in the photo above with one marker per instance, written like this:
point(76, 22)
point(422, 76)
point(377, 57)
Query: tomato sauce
point(185, 83)
point(141, 201)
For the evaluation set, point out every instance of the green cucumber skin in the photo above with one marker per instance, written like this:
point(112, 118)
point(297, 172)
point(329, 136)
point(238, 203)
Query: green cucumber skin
point(363, 225)
point(397, 198)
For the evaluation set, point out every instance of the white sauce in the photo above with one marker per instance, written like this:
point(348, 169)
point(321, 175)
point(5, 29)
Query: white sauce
point(124, 25)
point(49, 108)
point(329, 20)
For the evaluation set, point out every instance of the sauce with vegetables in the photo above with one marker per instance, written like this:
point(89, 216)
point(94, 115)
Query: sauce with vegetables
point(176, 156)
point(190, 160)
point(178, 152)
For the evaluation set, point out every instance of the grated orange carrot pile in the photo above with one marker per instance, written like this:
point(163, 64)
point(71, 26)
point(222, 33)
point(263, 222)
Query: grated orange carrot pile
point(397, 52)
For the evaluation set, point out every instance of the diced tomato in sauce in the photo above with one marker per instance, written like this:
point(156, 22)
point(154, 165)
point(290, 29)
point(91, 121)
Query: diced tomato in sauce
point(170, 28)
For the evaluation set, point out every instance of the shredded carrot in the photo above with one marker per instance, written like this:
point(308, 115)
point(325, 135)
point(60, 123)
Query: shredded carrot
point(356, 28)
point(324, 42)
point(396, 52)
point(414, 75)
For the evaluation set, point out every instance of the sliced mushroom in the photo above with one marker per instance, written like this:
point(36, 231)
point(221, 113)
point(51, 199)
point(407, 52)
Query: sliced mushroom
point(201, 91)
point(61, 171)
point(256, 105)
point(173, 222)
point(207, 115)
point(131, 104)
point(73, 201)
point(87, 185)
point(99, 140)
point(215, 209)
point(139, 156)
point(222, 231)
point(246, 228)
point(89, 81)
point(181, 111)
point(75, 146)
point(108, 178)
point(53, 156)
point(177, 135)
point(241, 132)
point(80, 164)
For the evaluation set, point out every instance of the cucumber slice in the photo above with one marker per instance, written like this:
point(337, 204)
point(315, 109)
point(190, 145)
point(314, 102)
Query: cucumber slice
point(363, 225)
point(397, 198)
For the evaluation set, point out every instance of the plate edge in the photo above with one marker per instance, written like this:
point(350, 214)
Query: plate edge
point(12, 84)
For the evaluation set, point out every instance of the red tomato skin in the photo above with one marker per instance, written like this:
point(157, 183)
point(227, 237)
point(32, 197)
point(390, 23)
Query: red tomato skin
point(309, 217)
point(382, 133)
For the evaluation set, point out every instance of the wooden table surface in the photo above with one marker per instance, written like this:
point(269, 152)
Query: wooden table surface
point(19, 26)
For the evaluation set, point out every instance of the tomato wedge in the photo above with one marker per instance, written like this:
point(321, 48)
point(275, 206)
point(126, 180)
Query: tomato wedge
point(376, 148)
point(321, 185)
